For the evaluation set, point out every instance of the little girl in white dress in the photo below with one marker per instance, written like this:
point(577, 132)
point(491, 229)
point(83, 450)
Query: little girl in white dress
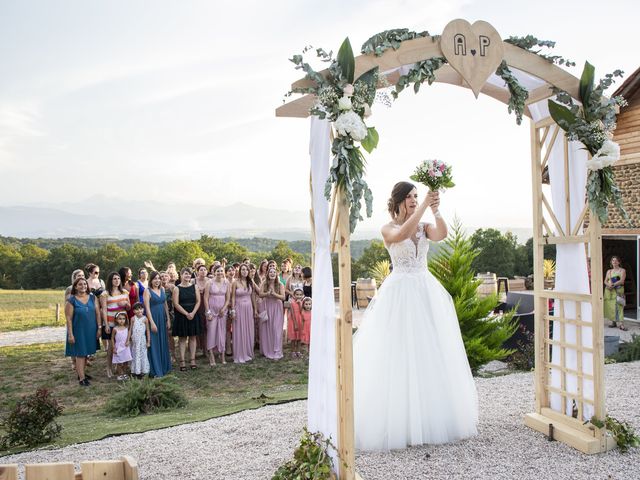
point(140, 340)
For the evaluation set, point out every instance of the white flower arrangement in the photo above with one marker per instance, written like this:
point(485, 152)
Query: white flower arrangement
point(350, 123)
point(606, 156)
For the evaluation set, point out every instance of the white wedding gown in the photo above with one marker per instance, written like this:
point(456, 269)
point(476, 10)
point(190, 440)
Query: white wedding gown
point(412, 382)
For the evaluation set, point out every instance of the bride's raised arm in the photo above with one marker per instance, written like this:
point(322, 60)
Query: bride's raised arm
point(392, 234)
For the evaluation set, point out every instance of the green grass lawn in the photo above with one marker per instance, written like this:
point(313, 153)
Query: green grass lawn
point(27, 309)
point(212, 393)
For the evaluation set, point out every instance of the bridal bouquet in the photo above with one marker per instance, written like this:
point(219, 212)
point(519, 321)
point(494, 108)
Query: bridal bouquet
point(435, 174)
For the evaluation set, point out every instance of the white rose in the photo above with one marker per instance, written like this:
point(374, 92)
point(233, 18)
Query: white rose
point(348, 90)
point(344, 103)
point(594, 164)
point(367, 111)
point(350, 123)
point(608, 154)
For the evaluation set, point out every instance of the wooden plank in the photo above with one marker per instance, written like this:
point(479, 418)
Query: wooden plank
point(544, 136)
point(580, 221)
point(622, 135)
point(566, 434)
point(49, 471)
point(9, 472)
point(570, 371)
point(553, 240)
point(538, 94)
point(102, 469)
point(595, 246)
point(571, 395)
point(569, 421)
point(563, 357)
point(552, 215)
point(568, 321)
point(346, 444)
point(130, 468)
point(545, 122)
point(554, 136)
point(574, 297)
point(581, 376)
point(567, 188)
point(564, 345)
point(298, 108)
point(540, 375)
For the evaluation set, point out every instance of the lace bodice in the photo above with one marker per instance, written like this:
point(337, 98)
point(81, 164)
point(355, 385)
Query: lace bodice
point(410, 255)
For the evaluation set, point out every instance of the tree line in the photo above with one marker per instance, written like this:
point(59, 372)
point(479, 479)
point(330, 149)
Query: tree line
point(47, 263)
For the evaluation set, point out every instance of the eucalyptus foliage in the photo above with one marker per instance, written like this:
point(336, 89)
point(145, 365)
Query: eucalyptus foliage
point(592, 122)
point(534, 45)
point(345, 100)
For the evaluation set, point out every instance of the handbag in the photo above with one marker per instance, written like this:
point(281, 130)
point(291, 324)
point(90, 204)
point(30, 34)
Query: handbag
point(620, 300)
point(263, 316)
point(287, 304)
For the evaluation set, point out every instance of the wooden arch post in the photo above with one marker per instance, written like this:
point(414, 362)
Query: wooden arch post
point(562, 427)
point(570, 429)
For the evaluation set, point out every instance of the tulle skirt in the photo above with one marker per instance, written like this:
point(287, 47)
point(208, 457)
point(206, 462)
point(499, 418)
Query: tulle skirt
point(412, 381)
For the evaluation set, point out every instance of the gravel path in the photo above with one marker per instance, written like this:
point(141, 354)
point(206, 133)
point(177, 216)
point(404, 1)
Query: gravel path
point(35, 335)
point(252, 444)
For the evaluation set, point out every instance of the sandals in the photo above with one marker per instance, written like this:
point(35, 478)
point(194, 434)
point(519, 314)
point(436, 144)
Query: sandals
point(193, 366)
point(622, 327)
point(183, 368)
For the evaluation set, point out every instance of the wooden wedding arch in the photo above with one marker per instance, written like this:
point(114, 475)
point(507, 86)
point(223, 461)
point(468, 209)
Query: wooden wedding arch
point(570, 429)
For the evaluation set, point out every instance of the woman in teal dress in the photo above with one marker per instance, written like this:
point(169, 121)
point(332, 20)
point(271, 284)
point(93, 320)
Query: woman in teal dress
point(82, 312)
point(155, 302)
point(614, 288)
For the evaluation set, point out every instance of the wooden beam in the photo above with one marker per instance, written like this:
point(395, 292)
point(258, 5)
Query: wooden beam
point(9, 472)
point(413, 51)
point(346, 445)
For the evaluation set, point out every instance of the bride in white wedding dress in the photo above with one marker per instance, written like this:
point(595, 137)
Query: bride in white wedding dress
point(412, 381)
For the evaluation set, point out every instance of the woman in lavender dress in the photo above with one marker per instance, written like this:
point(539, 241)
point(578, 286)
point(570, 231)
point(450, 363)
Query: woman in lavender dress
point(243, 322)
point(217, 296)
point(272, 292)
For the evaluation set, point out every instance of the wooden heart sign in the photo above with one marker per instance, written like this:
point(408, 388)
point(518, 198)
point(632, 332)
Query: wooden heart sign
point(474, 51)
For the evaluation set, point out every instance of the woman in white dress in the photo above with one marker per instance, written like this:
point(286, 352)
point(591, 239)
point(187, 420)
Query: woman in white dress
point(412, 380)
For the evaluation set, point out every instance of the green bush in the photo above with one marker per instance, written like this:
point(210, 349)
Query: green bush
point(482, 332)
point(629, 351)
point(311, 460)
point(148, 395)
point(31, 421)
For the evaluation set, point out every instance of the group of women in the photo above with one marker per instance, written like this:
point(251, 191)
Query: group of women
point(223, 310)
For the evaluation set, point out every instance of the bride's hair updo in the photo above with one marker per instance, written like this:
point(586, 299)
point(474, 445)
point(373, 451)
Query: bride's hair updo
point(398, 195)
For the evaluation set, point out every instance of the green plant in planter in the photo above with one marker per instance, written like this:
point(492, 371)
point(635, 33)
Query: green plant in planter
point(381, 270)
point(311, 460)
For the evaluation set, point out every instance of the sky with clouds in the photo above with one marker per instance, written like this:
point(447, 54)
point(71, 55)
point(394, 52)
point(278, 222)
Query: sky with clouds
point(174, 101)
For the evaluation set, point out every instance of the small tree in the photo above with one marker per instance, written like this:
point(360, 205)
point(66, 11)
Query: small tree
point(482, 332)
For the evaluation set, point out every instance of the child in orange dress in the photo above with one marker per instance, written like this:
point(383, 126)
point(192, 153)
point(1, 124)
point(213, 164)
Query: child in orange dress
point(294, 324)
point(306, 320)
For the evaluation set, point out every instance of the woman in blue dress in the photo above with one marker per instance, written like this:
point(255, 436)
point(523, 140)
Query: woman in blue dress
point(155, 302)
point(82, 312)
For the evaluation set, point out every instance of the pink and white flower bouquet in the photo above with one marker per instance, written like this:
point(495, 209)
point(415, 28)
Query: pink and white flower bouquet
point(435, 174)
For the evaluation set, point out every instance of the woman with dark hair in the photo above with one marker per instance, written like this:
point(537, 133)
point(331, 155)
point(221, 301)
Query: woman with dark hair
point(230, 274)
point(82, 313)
point(614, 299)
point(186, 302)
point(126, 277)
point(244, 321)
point(272, 292)
point(116, 300)
point(412, 381)
point(217, 298)
point(307, 281)
point(155, 304)
point(201, 281)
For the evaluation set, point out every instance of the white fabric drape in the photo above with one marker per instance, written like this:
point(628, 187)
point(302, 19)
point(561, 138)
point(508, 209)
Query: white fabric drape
point(322, 404)
point(571, 265)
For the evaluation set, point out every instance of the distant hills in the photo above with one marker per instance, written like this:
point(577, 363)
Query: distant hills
point(107, 217)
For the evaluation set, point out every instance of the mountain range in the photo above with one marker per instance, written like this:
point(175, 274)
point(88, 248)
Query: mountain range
point(102, 216)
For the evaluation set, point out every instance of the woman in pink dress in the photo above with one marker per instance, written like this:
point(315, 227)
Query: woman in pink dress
point(217, 296)
point(243, 322)
point(272, 292)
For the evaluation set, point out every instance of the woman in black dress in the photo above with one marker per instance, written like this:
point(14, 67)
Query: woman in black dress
point(186, 325)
